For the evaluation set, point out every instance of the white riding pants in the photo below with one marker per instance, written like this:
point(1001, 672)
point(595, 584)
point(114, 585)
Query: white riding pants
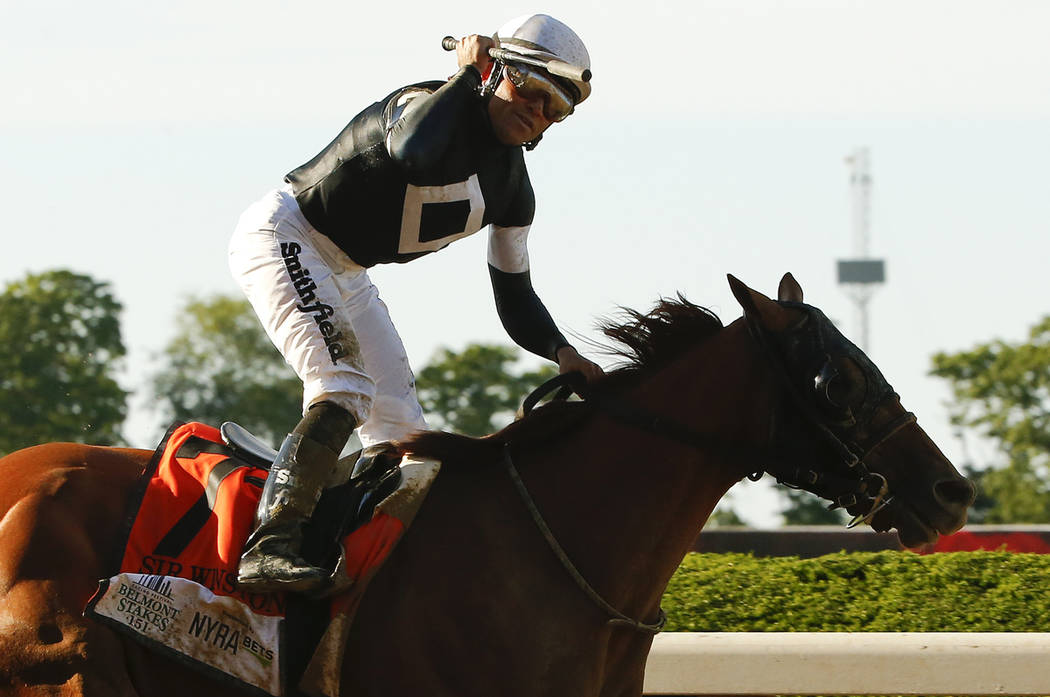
point(322, 312)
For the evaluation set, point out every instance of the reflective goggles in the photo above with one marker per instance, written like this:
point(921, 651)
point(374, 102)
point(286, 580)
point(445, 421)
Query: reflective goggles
point(532, 83)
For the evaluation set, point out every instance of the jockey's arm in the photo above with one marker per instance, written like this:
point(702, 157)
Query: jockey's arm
point(421, 125)
point(522, 312)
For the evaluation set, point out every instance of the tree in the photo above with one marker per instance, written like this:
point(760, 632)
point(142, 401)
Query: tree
point(1001, 390)
point(473, 392)
point(221, 366)
point(805, 508)
point(724, 516)
point(62, 350)
point(1007, 494)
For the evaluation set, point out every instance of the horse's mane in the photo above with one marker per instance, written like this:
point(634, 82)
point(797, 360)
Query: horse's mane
point(645, 342)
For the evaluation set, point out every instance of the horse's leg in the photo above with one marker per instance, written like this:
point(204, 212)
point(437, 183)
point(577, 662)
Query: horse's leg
point(61, 505)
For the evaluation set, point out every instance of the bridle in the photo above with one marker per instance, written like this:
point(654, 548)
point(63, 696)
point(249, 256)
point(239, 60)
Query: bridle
point(849, 484)
point(858, 486)
point(790, 354)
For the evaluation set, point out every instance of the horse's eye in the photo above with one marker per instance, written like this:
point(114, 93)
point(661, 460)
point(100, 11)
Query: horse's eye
point(838, 392)
point(839, 385)
point(824, 384)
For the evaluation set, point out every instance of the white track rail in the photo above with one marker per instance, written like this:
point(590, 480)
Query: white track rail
point(841, 663)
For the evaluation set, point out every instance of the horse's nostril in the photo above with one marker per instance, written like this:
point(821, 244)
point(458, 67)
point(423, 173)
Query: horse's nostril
point(959, 491)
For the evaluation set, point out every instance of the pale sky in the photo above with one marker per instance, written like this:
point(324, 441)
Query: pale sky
point(133, 134)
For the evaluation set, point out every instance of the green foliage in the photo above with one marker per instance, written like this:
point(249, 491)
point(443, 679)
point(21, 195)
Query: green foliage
point(1016, 493)
point(221, 366)
point(1002, 390)
point(473, 392)
point(861, 591)
point(62, 349)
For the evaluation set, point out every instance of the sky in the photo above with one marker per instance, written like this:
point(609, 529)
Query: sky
point(132, 135)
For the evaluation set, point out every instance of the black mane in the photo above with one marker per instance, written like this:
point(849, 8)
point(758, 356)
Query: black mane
point(654, 339)
point(646, 341)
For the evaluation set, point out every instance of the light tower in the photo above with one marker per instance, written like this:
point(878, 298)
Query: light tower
point(860, 275)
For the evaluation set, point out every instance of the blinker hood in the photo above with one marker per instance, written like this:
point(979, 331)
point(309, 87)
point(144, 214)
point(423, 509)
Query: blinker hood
point(801, 354)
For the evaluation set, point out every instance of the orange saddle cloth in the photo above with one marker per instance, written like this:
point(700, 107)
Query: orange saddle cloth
point(173, 579)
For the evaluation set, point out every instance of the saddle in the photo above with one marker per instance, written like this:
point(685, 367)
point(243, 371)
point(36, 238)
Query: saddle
point(172, 582)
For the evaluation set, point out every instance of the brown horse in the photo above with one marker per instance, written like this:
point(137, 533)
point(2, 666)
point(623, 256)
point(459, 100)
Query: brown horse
point(477, 600)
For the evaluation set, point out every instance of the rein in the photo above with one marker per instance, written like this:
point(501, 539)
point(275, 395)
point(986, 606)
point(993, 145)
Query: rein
point(617, 618)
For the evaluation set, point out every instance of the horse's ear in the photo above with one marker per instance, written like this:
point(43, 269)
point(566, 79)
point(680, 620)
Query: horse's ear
point(789, 289)
point(769, 313)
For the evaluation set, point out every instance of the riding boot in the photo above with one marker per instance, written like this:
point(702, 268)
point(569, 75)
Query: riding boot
point(271, 561)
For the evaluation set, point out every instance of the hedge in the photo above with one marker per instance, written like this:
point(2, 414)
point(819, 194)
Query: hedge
point(861, 591)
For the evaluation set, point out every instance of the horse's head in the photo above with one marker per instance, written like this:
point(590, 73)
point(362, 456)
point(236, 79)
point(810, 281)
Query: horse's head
point(840, 430)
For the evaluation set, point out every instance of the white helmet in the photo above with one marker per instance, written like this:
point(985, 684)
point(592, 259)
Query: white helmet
point(542, 36)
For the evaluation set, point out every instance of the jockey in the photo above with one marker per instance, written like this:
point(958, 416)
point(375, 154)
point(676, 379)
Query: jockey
point(429, 164)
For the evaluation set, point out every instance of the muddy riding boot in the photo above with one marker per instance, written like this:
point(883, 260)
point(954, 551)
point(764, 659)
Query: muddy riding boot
point(271, 560)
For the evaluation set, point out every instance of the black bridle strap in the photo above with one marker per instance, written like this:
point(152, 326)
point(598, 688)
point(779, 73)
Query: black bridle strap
point(616, 617)
point(902, 421)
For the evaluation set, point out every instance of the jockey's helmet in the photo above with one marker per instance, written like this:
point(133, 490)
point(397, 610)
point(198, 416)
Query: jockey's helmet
point(544, 37)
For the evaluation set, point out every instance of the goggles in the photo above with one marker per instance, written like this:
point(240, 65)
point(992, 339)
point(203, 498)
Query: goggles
point(532, 83)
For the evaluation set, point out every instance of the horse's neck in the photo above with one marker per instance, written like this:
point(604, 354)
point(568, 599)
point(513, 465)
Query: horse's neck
point(629, 503)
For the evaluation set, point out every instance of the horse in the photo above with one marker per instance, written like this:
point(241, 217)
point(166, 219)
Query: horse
point(536, 564)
